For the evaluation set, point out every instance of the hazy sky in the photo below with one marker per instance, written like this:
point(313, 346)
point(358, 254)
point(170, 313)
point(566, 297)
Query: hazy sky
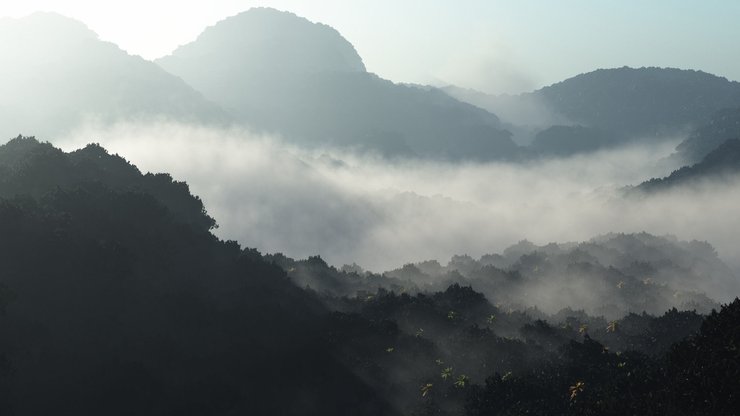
point(490, 45)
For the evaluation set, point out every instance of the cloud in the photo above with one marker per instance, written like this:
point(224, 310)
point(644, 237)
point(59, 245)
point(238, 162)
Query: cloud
point(488, 64)
point(382, 214)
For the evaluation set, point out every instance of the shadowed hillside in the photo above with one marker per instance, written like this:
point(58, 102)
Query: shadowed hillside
point(724, 125)
point(718, 166)
point(117, 300)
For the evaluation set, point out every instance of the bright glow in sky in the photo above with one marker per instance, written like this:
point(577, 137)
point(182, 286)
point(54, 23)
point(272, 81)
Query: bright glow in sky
point(494, 46)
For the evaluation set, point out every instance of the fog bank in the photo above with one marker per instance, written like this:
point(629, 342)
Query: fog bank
point(381, 214)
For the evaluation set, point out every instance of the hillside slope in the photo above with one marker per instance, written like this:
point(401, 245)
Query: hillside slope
point(56, 74)
point(718, 166)
point(115, 299)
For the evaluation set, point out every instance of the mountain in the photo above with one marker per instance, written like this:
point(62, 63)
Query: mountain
point(286, 75)
point(630, 103)
point(116, 299)
point(56, 74)
point(641, 101)
point(723, 125)
point(720, 164)
point(568, 140)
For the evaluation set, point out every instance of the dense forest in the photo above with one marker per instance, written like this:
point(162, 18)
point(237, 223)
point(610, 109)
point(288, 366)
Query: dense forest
point(116, 299)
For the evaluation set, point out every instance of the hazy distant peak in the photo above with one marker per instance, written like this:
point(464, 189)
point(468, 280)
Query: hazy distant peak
point(641, 102)
point(56, 74)
point(45, 38)
point(49, 24)
point(275, 40)
point(642, 74)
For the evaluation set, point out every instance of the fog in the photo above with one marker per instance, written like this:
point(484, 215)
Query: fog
point(381, 214)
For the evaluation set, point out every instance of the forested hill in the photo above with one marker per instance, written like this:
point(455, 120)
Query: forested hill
point(284, 74)
point(720, 165)
point(117, 300)
point(610, 275)
point(28, 167)
point(641, 101)
point(614, 106)
point(722, 126)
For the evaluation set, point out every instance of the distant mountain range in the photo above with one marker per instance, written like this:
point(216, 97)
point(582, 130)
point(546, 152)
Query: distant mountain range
point(629, 104)
point(56, 74)
point(641, 101)
point(282, 74)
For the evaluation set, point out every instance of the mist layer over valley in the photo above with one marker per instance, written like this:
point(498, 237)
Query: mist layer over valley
point(381, 214)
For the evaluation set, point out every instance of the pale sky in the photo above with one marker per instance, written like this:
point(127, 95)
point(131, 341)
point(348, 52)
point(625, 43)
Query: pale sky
point(493, 46)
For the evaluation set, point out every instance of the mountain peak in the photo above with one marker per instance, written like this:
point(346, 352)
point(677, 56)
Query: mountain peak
point(642, 75)
point(269, 40)
point(648, 101)
point(56, 75)
point(49, 24)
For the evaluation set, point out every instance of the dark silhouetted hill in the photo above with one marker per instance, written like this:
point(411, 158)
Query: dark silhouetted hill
point(56, 74)
point(718, 166)
point(283, 74)
point(117, 300)
point(724, 125)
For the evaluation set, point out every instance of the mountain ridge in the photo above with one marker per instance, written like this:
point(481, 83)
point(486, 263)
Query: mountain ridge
point(632, 104)
point(339, 106)
point(56, 75)
point(718, 166)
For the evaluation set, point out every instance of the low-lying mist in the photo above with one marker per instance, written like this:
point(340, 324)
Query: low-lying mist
point(381, 214)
